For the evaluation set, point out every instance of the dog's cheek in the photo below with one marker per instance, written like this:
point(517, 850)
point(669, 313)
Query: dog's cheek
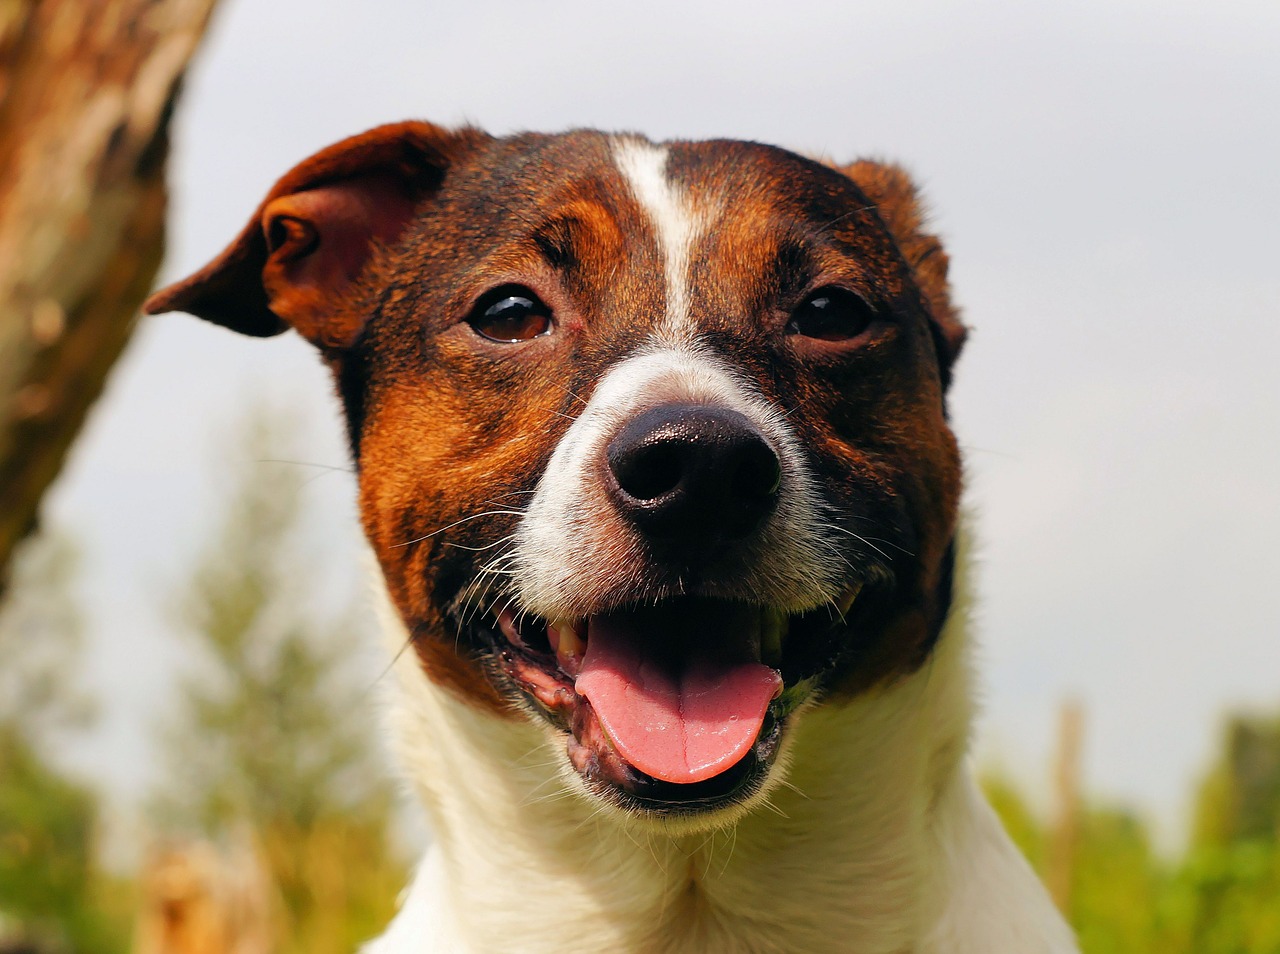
point(906, 479)
point(402, 500)
point(902, 426)
point(929, 488)
point(931, 481)
point(445, 466)
point(450, 665)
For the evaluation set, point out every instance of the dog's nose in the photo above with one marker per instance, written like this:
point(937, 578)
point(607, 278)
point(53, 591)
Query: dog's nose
point(693, 476)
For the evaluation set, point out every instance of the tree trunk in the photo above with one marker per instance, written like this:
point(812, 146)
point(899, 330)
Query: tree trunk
point(87, 88)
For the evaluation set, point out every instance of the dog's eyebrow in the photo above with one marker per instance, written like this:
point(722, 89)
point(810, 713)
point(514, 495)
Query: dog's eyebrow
point(585, 227)
point(554, 239)
point(794, 268)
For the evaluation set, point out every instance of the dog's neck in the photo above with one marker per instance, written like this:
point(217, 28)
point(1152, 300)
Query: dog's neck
point(844, 855)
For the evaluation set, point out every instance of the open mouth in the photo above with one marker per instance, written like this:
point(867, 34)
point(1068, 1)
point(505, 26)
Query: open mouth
point(674, 707)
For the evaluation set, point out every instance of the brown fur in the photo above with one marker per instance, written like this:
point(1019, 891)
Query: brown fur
point(404, 227)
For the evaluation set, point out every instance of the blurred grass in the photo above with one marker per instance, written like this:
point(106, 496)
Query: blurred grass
point(1220, 895)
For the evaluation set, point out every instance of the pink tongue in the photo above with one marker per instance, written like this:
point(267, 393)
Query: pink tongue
point(685, 714)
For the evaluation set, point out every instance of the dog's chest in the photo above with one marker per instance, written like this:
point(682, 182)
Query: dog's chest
point(640, 894)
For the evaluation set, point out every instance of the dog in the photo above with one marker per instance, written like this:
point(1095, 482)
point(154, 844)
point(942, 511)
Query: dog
point(654, 458)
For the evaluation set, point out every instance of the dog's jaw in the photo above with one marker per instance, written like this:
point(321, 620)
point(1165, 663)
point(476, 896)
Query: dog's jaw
point(607, 726)
point(869, 837)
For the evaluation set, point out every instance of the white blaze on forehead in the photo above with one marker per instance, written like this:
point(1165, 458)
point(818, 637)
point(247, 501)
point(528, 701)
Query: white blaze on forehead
point(676, 222)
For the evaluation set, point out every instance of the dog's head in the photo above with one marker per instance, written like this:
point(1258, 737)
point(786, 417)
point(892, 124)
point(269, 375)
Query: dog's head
point(651, 439)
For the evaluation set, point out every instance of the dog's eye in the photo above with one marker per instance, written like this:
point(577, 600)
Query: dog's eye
point(832, 314)
point(510, 315)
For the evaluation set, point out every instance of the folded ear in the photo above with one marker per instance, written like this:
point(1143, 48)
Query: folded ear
point(899, 206)
point(298, 260)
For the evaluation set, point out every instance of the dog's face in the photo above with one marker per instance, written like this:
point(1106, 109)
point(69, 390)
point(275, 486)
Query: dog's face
point(651, 439)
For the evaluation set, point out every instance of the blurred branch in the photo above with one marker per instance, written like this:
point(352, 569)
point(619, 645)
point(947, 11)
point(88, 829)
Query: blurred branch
point(198, 899)
point(1065, 834)
point(87, 89)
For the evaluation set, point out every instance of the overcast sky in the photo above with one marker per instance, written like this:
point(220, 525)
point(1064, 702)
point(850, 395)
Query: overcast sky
point(1104, 175)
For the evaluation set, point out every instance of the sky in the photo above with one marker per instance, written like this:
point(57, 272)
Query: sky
point(1103, 175)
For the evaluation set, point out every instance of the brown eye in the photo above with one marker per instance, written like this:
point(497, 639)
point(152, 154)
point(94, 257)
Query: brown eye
point(832, 314)
point(510, 315)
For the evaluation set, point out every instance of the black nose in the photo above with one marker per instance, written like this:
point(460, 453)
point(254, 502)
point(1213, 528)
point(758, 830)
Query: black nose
point(692, 477)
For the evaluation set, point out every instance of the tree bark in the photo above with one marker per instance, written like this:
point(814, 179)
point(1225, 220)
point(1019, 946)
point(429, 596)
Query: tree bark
point(87, 89)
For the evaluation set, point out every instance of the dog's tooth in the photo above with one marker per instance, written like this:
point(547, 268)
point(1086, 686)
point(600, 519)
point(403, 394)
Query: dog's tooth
point(567, 643)
point(507, 623)
point(773, 633)
point(553, 635)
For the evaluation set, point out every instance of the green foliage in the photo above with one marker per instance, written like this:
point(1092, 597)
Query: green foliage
point(1221, 897)
point(1117, 885)
point(49, 884)
point(1231, 898)
point(1240, 798)
point(46, 823)
point(272, 730)
point(1231, 878)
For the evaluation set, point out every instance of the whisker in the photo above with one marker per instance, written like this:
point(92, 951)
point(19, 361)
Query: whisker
point(570, 392)
point(974, 449)
point(845, 215)
point(475, 516)
point(768, 803)
point(793, 787)
point(487, 546)
point(733, 844)
point(510, 493)
point(788, 411)
point(861, 539)
point(392, 664)
point(534, 796)
point(305, 463)
point(325, 469)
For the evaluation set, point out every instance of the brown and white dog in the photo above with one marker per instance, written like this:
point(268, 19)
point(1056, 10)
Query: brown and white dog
point(653, 454)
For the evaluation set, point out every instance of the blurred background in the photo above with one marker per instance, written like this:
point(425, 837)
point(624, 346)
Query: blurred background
point(188, 674)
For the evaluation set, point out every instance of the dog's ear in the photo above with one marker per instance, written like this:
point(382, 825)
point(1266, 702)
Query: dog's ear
point(898, 203)
point(297, 261)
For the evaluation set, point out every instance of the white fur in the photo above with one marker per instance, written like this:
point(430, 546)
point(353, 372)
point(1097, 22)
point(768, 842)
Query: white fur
point(877, 842)
point(676, 221)
point(572, 547)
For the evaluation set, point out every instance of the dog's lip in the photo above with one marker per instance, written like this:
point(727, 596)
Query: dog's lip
point(567, 638)
point(541, 659)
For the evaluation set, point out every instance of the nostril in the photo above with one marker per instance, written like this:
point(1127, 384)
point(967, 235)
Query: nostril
point(757, 474)
point(649, 471)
